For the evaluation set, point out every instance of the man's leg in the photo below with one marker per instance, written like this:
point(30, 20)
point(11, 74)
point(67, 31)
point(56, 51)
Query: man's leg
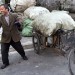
point(18, 47)
point(4, 52)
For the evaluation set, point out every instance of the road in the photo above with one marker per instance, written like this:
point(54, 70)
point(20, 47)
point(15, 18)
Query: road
point(49, 62)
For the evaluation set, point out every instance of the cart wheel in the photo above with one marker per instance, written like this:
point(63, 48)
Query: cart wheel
point(71, 62)
point(36, 43)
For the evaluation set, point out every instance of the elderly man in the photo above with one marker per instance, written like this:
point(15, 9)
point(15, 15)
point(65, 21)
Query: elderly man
point(10, 35)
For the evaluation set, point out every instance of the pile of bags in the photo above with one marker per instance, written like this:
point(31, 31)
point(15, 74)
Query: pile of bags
point(49, 23)
point(21, 5)
point(40, 17)
point(31, 14)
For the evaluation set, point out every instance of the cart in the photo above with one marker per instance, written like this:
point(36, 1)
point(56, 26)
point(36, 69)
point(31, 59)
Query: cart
point(65, 41)
point(41, 42)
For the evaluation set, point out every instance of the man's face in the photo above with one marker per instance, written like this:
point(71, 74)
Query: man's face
point(3, 10)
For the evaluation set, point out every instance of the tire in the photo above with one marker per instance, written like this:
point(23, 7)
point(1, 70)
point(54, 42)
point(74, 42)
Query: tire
point(71, 62)
point(36, 43)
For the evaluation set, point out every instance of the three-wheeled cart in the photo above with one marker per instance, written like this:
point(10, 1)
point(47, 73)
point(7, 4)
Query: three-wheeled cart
point(65, 40)
point(40, 41)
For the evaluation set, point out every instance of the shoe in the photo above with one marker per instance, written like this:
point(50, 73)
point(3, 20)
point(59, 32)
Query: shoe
point(4, 66)
point(25, 58)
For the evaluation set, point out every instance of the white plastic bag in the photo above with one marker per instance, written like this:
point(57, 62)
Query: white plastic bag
point(66, 20)
point(21, 5)
point(35, 11)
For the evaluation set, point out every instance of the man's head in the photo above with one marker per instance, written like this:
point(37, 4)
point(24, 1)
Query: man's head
point(4, 9)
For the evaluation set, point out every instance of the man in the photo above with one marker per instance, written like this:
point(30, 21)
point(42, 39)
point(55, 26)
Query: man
point(10, 35)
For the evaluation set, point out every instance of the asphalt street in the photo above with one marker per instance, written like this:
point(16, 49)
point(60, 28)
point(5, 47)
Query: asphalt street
point(49, 62)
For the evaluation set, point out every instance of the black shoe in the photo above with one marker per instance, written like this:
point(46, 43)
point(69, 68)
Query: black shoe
point(25, 58)
point(4, 66)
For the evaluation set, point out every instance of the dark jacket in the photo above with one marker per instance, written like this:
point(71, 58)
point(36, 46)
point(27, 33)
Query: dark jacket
point(9, 31)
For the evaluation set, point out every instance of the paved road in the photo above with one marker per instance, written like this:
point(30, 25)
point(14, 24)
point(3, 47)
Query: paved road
point(49, 62)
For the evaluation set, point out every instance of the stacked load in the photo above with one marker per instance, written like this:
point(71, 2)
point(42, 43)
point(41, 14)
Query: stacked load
point(34, 11)
point(21, 5)
point(49, 23)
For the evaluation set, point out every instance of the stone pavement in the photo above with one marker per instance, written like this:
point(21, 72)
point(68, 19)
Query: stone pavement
point(49, 62)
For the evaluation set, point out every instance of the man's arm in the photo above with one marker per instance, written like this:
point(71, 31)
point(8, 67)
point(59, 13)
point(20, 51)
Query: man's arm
point(17, 23)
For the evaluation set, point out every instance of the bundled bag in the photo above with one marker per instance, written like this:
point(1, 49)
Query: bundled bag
point(67, 23)
point(49, 23)
point(45, 25)
point(35, 11)
point(21, 5)
point(27, 28)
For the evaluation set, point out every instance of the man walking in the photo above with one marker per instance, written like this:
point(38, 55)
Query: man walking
point(10, 35)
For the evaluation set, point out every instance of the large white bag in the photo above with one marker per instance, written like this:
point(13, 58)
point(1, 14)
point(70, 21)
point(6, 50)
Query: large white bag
point(45, 25)
point(34, 11)
point(49, 23)
point(67, 23)
point(21, 5)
